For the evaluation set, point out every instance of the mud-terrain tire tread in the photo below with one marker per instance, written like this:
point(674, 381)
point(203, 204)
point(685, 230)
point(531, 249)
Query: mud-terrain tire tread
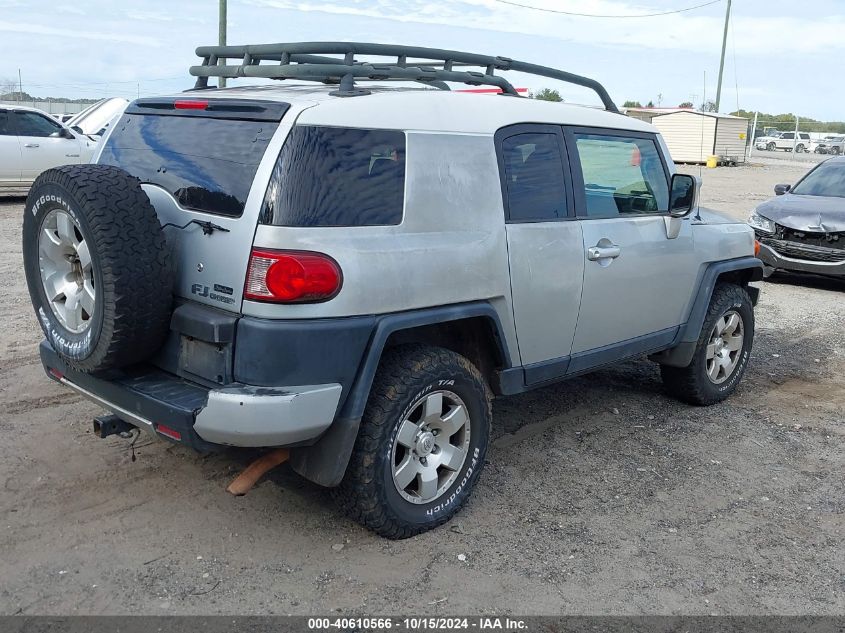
point(137, 276)
point(401, 371)
point(688, 383)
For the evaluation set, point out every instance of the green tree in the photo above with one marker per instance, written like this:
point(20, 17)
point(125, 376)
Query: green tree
point(708, 106)
point(650, 104)
point(547, 94)
point(687, 104)
point(632, 104)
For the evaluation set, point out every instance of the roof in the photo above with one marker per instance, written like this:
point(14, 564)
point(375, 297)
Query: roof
point(657, 111)
point(425, 109)
point(712, 115)
point(8, 106)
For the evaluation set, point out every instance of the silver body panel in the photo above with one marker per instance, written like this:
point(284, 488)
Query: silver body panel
point(644, 290)
point(260, 416)
point(547, 272)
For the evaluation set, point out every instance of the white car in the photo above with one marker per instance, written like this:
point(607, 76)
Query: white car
point(32, 141)
point(785, 141)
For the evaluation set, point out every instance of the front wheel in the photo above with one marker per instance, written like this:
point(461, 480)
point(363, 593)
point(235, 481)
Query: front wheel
point(422, 442)
point(771, 147)
point(799, 149)
point(721, 353)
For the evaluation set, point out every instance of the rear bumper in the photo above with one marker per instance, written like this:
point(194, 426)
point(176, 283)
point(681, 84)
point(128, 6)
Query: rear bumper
point(204, 418)
point(772, 258)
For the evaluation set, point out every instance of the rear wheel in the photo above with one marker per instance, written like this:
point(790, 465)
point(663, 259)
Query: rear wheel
point(421, 445)
point(771, 147)
point(721, 353)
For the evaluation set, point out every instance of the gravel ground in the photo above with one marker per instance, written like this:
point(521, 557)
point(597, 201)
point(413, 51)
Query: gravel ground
point(601, 495)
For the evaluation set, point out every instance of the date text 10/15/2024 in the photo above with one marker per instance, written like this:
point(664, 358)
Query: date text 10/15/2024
point(417, 624)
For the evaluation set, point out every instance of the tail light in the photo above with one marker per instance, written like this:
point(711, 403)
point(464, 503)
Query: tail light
point(291, 277)
point(190, 104)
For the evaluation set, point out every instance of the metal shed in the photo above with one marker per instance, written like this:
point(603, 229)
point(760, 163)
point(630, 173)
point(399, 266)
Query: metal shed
point(693, 136)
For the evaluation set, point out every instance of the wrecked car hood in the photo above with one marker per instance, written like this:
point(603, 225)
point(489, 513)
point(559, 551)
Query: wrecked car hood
point(816, 214)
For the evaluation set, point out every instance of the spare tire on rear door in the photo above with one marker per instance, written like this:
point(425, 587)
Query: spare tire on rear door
point(97, 267)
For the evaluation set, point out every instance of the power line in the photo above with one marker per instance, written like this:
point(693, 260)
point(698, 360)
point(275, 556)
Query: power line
point(103, 83)
point(594, 15)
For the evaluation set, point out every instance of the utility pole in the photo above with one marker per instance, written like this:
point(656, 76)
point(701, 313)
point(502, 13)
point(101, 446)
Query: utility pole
point(20, 86)
point(722, 61)
point(753, 133)
point(221, 39)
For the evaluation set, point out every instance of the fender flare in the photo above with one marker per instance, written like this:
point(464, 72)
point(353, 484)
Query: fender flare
point(681, 352)
point(325, 461)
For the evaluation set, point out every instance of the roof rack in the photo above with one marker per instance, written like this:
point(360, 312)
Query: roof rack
point(432, 66)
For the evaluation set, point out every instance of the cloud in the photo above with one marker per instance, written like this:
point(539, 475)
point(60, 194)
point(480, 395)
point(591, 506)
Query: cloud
point(681, 31)
point(92, 34)
point(101, 47)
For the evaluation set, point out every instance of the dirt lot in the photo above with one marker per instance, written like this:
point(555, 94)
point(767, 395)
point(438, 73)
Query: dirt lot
point(601, 495)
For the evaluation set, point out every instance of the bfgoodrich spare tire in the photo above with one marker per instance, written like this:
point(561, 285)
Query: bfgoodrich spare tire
point(96, 265)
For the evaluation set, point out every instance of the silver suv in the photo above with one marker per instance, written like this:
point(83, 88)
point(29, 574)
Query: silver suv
point(355, 272)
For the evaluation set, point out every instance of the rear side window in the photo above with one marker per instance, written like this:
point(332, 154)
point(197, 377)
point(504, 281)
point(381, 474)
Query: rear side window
point(5, 124)
point(332, 176)
point(207, 164)
point(533, 167)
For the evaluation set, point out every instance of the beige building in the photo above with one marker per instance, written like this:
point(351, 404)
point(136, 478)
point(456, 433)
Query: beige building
point(694, 136)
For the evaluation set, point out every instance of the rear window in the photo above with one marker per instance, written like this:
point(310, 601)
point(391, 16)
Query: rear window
point(207, 164)
point(329, 176)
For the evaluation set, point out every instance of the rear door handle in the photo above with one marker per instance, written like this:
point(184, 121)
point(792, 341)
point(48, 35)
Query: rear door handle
point(596, 253)
point(32, 145)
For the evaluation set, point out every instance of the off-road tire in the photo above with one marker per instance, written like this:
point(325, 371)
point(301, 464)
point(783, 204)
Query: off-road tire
point(132, 274)
point(691, 384)
point(367, 493)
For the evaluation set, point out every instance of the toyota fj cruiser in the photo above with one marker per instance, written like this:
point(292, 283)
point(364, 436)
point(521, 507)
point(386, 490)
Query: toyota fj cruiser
point(354, 272)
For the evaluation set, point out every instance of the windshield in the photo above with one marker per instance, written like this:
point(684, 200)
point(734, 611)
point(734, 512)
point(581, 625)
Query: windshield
point(828, 179)
point(96, 118)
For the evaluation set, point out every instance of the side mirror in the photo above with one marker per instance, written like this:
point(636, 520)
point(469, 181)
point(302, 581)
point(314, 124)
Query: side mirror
point(683, 192)
point(66, 133)
point(782, 189)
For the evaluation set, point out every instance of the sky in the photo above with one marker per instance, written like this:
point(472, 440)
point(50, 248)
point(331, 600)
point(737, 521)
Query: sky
point(782, 56)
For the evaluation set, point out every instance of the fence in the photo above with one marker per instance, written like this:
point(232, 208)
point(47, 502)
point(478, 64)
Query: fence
point(805, 133)
point(50, 107)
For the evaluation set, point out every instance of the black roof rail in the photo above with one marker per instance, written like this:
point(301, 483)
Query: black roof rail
point(432, 66)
